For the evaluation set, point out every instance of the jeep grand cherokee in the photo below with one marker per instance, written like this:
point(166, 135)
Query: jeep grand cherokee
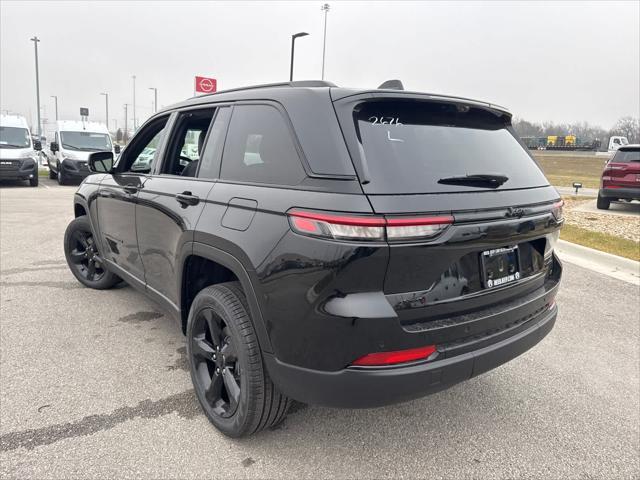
point(347, 248)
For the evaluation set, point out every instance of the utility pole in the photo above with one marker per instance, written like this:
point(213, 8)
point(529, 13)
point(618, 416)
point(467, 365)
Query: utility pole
point(134, 103)
point(106, 104)
point(293, 46)
point(55, 97)
point(155, 98)
point(325, 9)
point(35, 41)
point(126, 134)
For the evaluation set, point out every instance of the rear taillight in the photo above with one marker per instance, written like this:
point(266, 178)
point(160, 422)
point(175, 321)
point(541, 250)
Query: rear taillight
point(556, 210)
point(380, 359)
point(340, 227)
point(373, 228)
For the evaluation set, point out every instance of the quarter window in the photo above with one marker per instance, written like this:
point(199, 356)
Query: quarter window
point(259, 148)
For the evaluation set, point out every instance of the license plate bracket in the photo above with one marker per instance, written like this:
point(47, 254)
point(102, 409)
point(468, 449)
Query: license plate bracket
point(500, 266)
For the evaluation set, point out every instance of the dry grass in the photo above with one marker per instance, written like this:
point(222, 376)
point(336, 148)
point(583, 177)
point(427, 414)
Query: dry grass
point(601, 241)
point(563, 170)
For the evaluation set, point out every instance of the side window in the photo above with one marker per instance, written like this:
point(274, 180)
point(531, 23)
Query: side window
point(187, 142)
point(141, 154)
point(259, 148)
point(210, 161)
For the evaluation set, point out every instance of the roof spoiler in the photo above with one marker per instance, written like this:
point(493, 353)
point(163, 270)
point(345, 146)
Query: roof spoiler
point(392, 85)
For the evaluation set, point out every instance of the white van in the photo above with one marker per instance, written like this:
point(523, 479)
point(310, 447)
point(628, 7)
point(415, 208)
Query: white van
point(71, 145)
point(18, 152)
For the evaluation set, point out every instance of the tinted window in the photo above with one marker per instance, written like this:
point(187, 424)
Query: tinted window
point(627, 155)
point(210, 161)
point(186, 143)
point(141, 154)
point(409, 146)
point(259, 148)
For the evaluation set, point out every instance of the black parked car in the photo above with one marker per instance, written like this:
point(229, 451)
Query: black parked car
point(346, 248)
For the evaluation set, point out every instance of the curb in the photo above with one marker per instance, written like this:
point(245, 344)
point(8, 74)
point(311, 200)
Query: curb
point(614, 266)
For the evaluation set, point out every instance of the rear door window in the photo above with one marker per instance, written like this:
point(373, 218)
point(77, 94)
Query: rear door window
point(415, 146)
point(259, 148)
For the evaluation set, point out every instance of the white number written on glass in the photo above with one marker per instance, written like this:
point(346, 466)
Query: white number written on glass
point(384, 121)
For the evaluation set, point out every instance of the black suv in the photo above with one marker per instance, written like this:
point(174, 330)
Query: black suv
point(348, 248)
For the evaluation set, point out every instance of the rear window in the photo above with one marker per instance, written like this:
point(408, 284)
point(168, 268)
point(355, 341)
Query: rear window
point(627, 155)
point(411, 146)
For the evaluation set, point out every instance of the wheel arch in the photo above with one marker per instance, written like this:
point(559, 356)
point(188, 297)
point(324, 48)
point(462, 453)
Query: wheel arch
point(230, 263)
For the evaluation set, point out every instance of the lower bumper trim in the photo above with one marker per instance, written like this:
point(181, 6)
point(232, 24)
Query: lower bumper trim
point(376, 387)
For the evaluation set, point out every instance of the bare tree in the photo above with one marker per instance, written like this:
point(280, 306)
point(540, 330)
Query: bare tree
point(627, 127)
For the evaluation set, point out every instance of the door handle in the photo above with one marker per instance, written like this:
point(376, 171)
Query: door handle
point(130, 189)
point(186, 198)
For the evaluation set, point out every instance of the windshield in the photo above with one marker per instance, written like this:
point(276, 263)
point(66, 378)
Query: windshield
point(14, 137)
point(85, 141)
point(429, 147)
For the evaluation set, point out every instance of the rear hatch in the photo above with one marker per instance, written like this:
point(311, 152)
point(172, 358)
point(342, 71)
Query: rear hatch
point(623, 170)
point(424, 157)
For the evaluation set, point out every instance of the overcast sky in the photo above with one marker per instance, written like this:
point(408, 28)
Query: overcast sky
point(544, 61)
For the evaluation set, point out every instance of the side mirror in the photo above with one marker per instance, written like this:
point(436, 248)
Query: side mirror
point(116, 148)
point(53, 146)
point(37, 145)
point(101, 162)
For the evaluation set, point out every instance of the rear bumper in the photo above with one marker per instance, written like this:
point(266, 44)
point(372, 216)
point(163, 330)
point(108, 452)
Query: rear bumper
point(626, 193)
point(375, 387)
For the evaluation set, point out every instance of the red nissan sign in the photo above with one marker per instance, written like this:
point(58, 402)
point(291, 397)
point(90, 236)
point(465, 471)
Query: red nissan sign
point(206, 85)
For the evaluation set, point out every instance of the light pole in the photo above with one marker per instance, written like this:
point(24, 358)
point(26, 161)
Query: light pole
point(35, 41)
point(106, 105)
point(325, 9)
point(126, 134)
point(155, 98)
point(55, 97)
point(293, 46)
point(134, 102)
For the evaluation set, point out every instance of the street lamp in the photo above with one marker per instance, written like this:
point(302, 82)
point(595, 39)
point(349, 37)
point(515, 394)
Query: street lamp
point(35, 41)
point(155, 98)
point(106, 104)
point(134, 102)
point(293, 45)
point(325, 9)
point(56, 99)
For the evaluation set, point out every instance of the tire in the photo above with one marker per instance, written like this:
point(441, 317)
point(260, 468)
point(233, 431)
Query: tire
point(52, 174)
point(62, 180)
point(603, 203)
point(259, 404)
point(34, 181)
point(83, 257)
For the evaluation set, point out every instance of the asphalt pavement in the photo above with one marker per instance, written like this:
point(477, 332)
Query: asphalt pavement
point(94, 384)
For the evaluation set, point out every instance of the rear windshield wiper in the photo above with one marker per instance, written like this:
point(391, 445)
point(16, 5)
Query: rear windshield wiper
point(491, 180)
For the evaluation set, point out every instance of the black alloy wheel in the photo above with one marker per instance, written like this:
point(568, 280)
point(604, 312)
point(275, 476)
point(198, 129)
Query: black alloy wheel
point(84, 254)
point(83, 257)
point(226, 364)
point(217, 370)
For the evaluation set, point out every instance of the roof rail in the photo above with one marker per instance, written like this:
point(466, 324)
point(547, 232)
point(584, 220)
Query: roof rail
point(299, 83)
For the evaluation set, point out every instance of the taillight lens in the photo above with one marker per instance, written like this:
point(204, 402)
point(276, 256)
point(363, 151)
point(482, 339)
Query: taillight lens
point(341, 227)
point(556, 210)
point(353, 227)
point(410, 228)
point(380, 359)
